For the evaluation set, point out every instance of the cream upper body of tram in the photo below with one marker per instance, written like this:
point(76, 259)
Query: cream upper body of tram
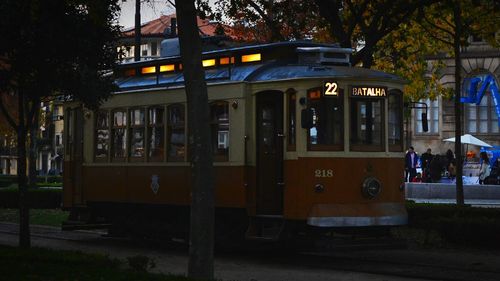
point(297, 134)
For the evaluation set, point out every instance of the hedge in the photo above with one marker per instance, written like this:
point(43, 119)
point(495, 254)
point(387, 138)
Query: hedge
point(37, 198)
point(7, 180)
point(462, 225)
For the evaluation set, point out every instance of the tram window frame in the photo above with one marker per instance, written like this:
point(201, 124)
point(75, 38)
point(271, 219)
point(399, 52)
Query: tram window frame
point(324, 101)
point(132, 128)
point(181, 126)
point(114, 127)
point(398, 105)
point(367, 147)
point(291, 97)
point(157, 125)
point(220, 155)
point(100, 127)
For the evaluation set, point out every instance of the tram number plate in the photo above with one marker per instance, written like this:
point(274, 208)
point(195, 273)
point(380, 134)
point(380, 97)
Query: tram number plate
point(319, 173)
point(331, 89)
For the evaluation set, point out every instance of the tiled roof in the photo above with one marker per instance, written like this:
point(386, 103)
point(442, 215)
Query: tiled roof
point(156, 27)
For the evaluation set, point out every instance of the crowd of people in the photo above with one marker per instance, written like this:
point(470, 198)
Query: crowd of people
point(434, 167)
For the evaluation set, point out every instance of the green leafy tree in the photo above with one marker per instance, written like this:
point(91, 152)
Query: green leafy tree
point(268, 20)
point(59, 47)
point(362, 24)
point(404, 52)
point(452, 23)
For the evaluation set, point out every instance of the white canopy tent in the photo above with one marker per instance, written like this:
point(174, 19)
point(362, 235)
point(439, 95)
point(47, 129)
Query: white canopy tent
point(469, 139)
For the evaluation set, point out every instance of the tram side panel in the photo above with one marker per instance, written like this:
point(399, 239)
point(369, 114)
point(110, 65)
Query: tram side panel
point(332, 188)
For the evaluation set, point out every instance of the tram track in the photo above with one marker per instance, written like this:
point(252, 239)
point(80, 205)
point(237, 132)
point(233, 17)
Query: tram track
point(403, 263)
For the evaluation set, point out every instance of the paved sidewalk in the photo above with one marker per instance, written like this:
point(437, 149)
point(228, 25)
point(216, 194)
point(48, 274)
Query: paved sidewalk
point(175, 262)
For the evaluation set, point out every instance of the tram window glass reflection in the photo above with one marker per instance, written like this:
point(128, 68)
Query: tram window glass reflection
point(176, 134)
point(219, 123)
point(119, 135)
point(327, 132)
point(366, 124)
point(156, 135)
point(102, 136)
point(137, 122)
point(395, 125)
point(292, 99)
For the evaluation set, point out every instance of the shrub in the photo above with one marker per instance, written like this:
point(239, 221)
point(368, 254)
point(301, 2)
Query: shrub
point(459, 225)
point(141, 263)
point(37, 198)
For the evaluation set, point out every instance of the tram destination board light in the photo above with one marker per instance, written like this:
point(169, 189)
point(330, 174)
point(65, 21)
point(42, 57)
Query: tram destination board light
point(369, 91)
point(167, 67)
point(148, 69)
point(251, 58)
point(208, 62)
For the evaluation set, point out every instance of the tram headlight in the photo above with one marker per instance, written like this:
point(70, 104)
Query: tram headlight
point(318, 188)
point(371, 187)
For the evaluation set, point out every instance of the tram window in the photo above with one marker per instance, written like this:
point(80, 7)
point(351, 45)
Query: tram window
point(292, 98)
point(102, 136)
point(366, 124)
point(176, 132)
point(156, 135)
point(219, 114)
point(119, 135)
point(395, 125)
point(327, 132)
point(136, 128)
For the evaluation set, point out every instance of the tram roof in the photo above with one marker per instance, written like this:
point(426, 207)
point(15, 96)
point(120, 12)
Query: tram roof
point(276, 69)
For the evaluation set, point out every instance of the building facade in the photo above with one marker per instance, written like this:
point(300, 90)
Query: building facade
point(155, 31)
point(481, 121)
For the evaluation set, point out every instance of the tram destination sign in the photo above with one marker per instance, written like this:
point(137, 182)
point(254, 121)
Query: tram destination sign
point(331, 88)
point(368, 91)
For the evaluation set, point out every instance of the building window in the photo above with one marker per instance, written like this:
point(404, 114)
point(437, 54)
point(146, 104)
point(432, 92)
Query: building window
point(176, 134)
point(482, 118)
point(395, 125)
point(154, 49)
point(367, 124)
point(219, 123)
point(327, 132)
point(144, 50)
point(291, 101)
point(156, 135)
point(119, 135)
point(432, 117)
point(102, 136)
point(136, 129)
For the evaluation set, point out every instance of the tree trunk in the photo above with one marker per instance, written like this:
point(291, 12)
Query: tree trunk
point(201, 241)
point(24, 227)
point(458, 111)
point(137, 31)
point(33, 143)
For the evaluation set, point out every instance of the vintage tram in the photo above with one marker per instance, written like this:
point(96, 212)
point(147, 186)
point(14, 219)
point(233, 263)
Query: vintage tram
point(301, 140)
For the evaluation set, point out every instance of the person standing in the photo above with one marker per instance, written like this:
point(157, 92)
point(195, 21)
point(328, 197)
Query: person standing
point(411, 160)
point(484, 170)
point(426, 164)
point(450, 164)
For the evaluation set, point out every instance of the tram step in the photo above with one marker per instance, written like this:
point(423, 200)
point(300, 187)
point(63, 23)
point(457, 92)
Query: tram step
point(265, 228)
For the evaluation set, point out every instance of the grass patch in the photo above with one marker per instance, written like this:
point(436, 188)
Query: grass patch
point(50, 217)
point(43, 264)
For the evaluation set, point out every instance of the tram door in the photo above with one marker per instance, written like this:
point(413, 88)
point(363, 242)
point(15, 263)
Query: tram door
point(75, 146)
point(269, 153)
